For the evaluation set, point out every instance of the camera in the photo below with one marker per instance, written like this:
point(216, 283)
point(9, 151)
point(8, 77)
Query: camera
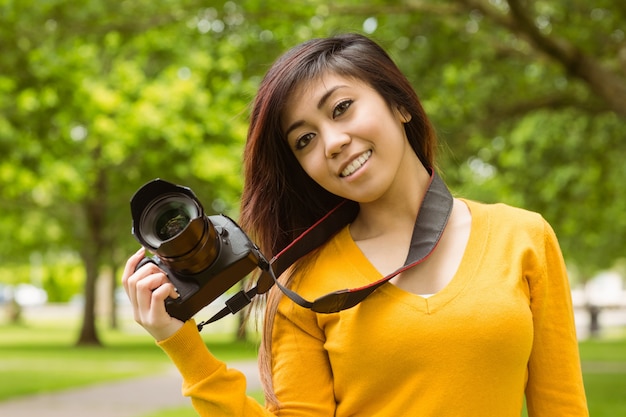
point(203, 256)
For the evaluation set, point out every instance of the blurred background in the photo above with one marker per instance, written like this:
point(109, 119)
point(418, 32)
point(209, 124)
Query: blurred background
point(99, 97)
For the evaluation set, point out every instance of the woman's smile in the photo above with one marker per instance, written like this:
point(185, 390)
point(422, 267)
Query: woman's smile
point(356, 164)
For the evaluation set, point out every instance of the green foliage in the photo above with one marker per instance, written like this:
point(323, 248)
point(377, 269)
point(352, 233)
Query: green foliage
point(97, 98)
point(63, 282)
point(62, 278)
point(566, 165)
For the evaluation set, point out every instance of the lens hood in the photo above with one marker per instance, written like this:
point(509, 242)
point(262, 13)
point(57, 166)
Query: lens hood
point(169, 220)
point(147, 201)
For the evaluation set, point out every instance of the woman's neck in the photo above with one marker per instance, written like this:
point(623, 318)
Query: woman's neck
point(397, 210)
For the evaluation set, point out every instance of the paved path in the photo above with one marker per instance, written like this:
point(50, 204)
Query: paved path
point(129, 398)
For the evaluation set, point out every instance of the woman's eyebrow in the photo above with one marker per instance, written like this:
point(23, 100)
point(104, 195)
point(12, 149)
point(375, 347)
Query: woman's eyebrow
point(322, 101)
point(327, 94)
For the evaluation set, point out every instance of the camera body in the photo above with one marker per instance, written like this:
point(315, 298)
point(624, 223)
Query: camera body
point(203, 256)
point(237, 257)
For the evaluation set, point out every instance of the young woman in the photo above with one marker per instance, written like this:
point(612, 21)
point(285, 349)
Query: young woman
point(484, 321)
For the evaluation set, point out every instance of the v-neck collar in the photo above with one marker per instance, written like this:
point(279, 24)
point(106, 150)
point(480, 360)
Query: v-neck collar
point(466, 270)
point(430, 223)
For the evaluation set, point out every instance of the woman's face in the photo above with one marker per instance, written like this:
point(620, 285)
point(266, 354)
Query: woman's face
point(346, 137)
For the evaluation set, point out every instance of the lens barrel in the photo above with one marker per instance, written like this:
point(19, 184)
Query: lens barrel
point(169, 221)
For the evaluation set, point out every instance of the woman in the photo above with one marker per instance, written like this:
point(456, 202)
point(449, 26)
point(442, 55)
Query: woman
point(484, 320)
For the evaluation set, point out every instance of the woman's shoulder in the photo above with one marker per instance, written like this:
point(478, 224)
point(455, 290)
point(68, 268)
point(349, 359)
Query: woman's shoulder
point(338, 262)
point(502, 212)
point(504, 218)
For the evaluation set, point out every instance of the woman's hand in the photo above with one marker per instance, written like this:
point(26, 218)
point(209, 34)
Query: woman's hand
point(147, 288)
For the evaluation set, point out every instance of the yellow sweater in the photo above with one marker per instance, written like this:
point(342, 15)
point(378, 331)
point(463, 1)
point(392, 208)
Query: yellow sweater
point(501, 328)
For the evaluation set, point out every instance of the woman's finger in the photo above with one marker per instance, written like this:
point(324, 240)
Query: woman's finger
point(159, 295)
point(145, 287)
point(153, 314)
point(131, 264)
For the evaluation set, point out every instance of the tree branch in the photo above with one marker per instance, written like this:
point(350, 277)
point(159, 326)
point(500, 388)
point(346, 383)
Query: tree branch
point(606, 84)
point(551, 102)
point(408, 6)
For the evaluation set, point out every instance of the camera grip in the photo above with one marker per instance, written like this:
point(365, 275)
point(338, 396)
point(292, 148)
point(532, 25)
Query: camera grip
point(144, 261)
point(155, 260)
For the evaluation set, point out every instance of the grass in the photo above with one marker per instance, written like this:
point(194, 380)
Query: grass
point(174, 412)
point(41, 357)
point(604, 370)
point(189, 411)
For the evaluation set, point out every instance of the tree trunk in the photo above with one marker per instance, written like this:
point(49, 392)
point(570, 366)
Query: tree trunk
point(15, 311)
point(113, 322)
point(95, 210)
point(88, 333)
point(594, 320)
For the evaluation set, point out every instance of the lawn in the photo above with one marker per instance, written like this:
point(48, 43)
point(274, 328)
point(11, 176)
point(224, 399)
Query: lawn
point(604, 370)
point(41, 357)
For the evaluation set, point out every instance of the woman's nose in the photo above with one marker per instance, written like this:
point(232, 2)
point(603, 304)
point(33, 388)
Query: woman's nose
point(335, 141)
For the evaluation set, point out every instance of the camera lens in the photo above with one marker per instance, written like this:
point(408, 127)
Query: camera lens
point(171, 222)
point(167, 217)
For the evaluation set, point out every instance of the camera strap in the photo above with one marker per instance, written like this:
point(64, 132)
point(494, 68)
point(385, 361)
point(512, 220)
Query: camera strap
point(430, 222)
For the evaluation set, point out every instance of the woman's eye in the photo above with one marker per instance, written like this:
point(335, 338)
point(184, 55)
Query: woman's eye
point(341, 108)
point(303, 140)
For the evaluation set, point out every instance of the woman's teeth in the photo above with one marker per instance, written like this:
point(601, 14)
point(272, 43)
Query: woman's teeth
point(356, 164)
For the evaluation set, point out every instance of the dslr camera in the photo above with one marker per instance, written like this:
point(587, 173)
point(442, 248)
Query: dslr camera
point(203, 256)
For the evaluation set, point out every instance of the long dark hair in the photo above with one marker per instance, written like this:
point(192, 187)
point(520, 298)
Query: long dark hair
point(279, 199)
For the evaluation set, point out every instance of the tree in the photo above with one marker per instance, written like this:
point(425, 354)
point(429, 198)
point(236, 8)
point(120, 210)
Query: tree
point(528, 98)
point(563, 140)
point(100, 109)
point(97, 98)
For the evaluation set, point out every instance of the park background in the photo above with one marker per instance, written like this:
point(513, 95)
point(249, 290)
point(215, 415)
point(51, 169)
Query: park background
point(97, 98)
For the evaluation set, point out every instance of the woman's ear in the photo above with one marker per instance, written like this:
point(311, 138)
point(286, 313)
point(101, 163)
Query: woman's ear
point(405, 116)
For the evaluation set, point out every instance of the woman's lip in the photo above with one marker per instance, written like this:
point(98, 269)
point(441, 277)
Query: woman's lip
point(355, 164)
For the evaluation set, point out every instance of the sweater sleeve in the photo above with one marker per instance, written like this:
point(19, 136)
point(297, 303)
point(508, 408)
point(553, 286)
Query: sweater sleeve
point(301, 371)
point(215, 390)
point(555, 386)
